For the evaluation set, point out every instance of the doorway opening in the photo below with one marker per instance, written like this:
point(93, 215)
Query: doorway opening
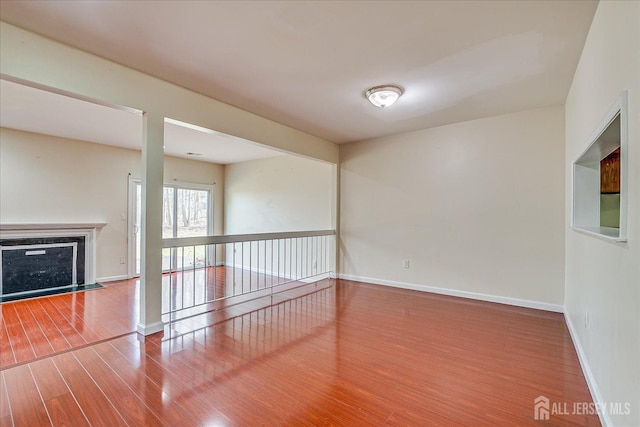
point(187, 211)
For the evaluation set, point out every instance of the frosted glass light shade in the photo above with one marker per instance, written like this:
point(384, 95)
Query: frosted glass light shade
point(384, 96)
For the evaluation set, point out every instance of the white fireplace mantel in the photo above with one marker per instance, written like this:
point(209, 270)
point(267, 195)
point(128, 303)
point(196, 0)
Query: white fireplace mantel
point(83, 229)
point(50, 226)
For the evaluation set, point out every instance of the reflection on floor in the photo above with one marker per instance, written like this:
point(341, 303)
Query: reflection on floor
point(331, 353)
point(39, 327)
point(194, 287)
point(49, 292)
point(190, 289)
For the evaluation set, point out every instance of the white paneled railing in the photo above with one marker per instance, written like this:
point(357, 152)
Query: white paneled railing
point(211, 272)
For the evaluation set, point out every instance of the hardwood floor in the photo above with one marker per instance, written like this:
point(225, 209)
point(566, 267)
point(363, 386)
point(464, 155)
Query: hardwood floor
point(39, 327)
point(331, 353)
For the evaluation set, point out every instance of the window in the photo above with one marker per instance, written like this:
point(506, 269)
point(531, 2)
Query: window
point(600, 178)
point(186, 212)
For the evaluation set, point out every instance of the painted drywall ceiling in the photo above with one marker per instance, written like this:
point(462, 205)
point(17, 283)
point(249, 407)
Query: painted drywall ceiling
point(307, 64)
point(35, 110)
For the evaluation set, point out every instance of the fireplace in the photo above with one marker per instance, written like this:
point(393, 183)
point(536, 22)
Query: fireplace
point(37, 257)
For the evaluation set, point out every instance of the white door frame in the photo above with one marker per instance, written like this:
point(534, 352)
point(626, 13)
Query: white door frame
point(131, 239)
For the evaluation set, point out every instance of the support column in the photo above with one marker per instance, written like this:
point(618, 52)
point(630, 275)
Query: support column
point(335, 217)
point(151, 221)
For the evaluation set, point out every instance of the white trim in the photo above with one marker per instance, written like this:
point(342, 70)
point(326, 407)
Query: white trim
point(456, 293)
point(112, 278)
point(29, 226)
point(282, 274)
point(38, 230)
point(601, 234)
point(150, 329)
point(131, 214)
point(242, 238)
point(131, 220)
point(188, 185)
point(619, 108)
point(316, 278)
point(586, 370)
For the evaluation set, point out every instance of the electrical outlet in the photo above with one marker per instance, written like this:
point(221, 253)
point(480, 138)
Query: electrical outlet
point(405, 263)
point(122, 260)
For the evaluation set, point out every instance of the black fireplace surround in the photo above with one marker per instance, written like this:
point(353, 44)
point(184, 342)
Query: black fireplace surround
point(22, 273)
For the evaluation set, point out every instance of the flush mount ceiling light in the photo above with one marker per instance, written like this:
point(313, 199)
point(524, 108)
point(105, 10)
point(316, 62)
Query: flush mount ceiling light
point(384, 96)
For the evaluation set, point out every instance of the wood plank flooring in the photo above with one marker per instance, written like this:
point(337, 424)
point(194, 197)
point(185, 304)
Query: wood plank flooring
point(39, 327)
point(331, 353)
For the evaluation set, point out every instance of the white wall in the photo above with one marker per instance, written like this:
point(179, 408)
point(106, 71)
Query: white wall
point(283, 193)
point(475, 207)
point(49, 179)
point(603, 278)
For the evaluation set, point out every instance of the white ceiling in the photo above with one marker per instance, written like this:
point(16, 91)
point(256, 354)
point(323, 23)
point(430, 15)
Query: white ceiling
point(34, 110)
point(307, 63)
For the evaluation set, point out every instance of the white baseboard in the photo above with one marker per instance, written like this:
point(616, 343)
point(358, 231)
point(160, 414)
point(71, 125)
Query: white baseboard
point(112, 278)
point(258, 271)
point(282, 274)
point(316, 278)
point(456, 293)
point(150, 329)
point(586, 370)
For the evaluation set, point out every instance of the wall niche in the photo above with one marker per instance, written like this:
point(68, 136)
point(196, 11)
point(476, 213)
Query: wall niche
point(600, 178)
